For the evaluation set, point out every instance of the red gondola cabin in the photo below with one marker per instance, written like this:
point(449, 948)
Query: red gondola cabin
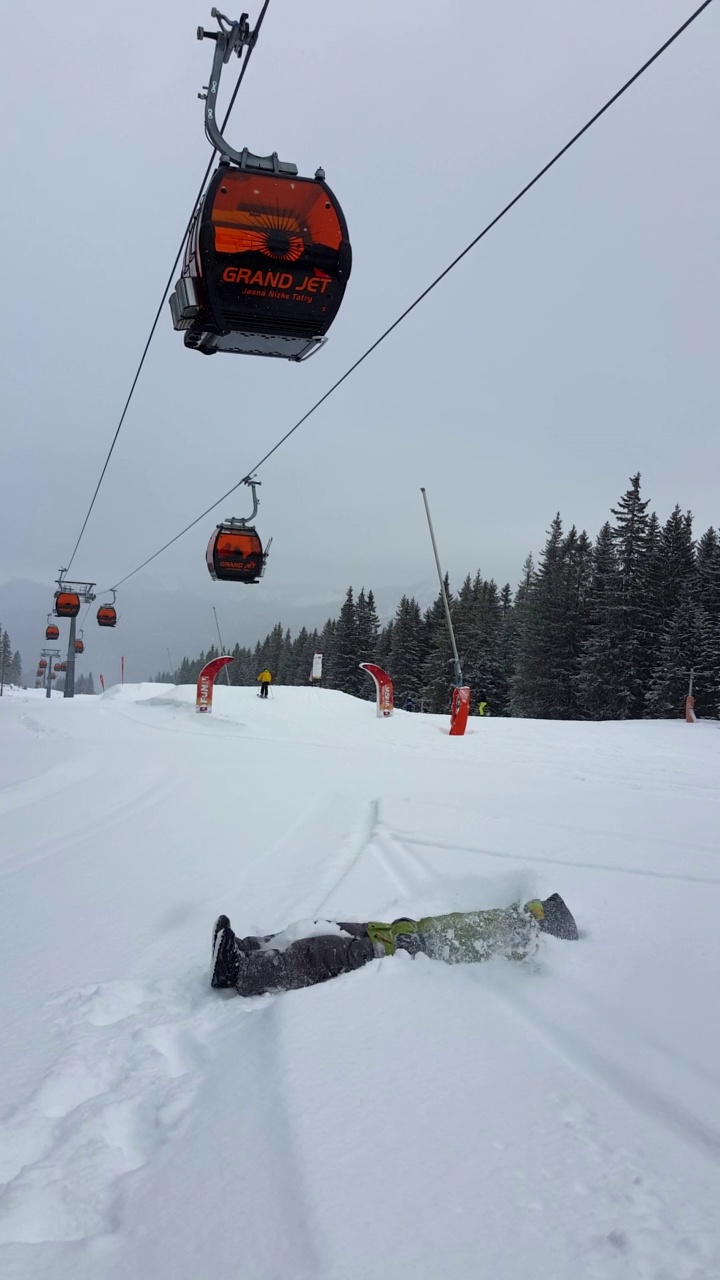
point(266, 265)
point(42, 664)
point(52, 632)
point(79, 646)
point(67, 604)
point(106, 615)
point(236, 554)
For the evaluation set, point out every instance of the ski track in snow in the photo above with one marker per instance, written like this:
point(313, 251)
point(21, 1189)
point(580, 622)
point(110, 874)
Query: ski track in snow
point(150, 1077)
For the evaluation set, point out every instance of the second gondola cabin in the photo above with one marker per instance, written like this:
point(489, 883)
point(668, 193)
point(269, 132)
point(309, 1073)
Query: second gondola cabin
point(52, 632)
point(235, 554)
point(266, 265)
point(67, 604)
point(106, 615)
point(79, 646)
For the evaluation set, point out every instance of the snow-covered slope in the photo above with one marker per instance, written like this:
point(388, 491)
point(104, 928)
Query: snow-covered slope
point(556, 1119)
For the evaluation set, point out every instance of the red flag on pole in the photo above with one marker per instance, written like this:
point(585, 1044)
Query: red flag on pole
point(206, 680)
point(383, 688)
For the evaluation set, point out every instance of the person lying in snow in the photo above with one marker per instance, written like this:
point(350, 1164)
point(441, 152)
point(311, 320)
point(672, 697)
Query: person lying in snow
point(278, 962)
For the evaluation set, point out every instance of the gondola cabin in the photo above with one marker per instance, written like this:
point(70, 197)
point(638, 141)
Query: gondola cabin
point(67, 604)
point(79, 646)
point(63, 666)
point(235, 554)
point(52, 632)
point(58, 666)
point(42, 664)
point(266, 265)
point(53, 675)
point(106, 615)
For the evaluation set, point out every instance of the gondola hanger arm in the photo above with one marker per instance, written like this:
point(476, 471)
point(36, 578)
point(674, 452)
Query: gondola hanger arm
point(231, 39)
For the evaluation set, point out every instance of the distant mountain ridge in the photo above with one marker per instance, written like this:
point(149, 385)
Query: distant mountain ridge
point(152, 621)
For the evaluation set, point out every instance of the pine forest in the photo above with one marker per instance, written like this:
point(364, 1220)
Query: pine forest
point(603, 630)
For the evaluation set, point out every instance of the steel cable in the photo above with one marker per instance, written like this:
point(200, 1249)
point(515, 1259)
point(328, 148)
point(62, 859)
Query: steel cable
point(493, 223)
point(158, 313)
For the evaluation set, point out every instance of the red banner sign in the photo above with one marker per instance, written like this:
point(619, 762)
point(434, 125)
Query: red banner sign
point(206, 680)
point(459, 711)
point(383, 688)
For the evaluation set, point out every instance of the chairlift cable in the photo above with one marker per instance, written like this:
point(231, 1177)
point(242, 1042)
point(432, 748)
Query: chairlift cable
point(168, 286)
point(493, 223)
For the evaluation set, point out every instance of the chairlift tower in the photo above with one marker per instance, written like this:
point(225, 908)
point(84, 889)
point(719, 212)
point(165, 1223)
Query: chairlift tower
point(85, 591)
point(49, 654)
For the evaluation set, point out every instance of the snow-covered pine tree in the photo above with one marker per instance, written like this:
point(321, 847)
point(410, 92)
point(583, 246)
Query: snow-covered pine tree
point(708, 573)
point(327, 647)
point(547, 641)
point(345, 668)
point(438, 677)
point(285, 671)
point(407, 650)
point(477, 618)
point(383, 647)
point(679, 655)
point(706, 682)
point(16, 668)
point(5, 657)
point(670, 566)
point(630, 617)
point(368, 629)
point(597, 675)
point(506, 645)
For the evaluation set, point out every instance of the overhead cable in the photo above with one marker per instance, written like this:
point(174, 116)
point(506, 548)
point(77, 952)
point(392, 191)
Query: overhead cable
point(170, 279)
point(540, 174)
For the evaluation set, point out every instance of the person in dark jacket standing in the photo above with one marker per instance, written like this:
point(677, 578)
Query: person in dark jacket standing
point(256, 966)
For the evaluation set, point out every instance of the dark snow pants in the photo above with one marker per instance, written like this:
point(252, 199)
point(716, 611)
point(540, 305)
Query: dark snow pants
point(303, 963)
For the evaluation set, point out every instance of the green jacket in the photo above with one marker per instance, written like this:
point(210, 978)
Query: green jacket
point(465, 936)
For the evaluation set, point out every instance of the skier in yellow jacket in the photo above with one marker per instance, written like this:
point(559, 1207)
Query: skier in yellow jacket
point(264, 680)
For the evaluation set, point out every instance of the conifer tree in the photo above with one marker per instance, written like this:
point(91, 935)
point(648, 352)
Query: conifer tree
point(506, 646)
point(406, 653)
point(708, 573)
point(633, 626)
point(706, 681)
point(680, 653)
point(541, 668)
point(6, 657)
point(368, 629)
point(438, 675)
point(383, 647)
point(327, 647)
point(596, 680)
point(345, 667)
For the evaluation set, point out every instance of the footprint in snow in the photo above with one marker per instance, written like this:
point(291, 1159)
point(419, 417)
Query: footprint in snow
point(125, 1082)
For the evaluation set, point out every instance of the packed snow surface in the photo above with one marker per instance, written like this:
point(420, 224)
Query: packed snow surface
point(556, 1119)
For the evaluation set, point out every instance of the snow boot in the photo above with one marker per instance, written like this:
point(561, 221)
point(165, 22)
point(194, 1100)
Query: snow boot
point(557, 919)
point(225, 961)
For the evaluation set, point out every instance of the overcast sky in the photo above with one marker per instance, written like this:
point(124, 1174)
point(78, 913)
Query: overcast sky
point(577, 344)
